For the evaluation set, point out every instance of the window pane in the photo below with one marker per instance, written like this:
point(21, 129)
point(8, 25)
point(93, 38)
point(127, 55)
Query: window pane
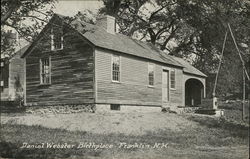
point(172, 79)
point(45, 71)
point(151, 74)
point(115, 68)
point(57, 38)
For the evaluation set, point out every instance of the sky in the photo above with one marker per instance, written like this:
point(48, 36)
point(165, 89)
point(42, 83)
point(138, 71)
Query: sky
point(68, 8)
point(71, 7)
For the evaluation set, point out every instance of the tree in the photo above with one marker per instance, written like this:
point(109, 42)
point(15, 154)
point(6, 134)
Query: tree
point(211, 19)
point(26, 17)
point(86, 16)
point(155, 22)
point(192, 29)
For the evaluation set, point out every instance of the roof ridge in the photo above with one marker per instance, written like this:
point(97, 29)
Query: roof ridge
point(128, 45)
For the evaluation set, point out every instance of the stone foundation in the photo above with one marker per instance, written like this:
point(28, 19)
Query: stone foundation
point(128, 108)
point(61, 109)
point(183, 110)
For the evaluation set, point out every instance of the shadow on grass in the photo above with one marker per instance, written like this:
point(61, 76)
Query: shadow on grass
point(12, 150)
point(13, 137)
point(236, 129)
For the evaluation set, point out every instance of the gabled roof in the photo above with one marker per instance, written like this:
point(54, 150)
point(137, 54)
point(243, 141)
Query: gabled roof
point(121, 43)
point(188, 68)
point(99, 37)
point(21, 51)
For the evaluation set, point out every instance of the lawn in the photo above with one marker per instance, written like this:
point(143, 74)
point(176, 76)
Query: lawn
point(122, 135)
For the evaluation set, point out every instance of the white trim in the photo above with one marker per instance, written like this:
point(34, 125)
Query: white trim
point(53, 48)
point(61, 42)
point(119, 77)
point(1, 83)
point(40, 60)
point(50, 66)
point(149, 63)
point(171, 70)
point(9, 75)
point(95, 76)
point(24, 76)
point(52, 42)
point(40, 65)
point(168, 70)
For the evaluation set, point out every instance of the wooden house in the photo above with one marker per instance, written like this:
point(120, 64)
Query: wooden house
point(76, 63)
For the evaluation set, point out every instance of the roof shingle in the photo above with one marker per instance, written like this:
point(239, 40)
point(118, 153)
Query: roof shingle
point(188, 68)
point(121, 43)
point(99, 37)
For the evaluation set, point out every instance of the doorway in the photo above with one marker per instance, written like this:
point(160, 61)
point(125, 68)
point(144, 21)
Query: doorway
point(193, 92)
point(165, 86)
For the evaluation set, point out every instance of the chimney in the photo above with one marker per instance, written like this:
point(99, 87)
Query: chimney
point(108, 23)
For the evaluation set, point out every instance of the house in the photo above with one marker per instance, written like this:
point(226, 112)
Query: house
point(12, 76)
point(76, 63)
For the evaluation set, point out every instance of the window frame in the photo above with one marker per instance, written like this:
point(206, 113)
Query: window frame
point(119, 72)
point(115, 107)
point(171, 71)
point(5, 74)
point(153, 65)
point(41, 74)
point(1, 83)
point(52, 38)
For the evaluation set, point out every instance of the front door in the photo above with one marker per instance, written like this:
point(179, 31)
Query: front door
point(165, 86)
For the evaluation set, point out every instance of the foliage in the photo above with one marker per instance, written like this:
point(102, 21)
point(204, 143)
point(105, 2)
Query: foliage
point(26, 17)
point(192, 29)
point(86, 16)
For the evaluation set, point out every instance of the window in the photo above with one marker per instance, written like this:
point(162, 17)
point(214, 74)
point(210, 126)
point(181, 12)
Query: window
point(115, 107)
point(116, 68)
point(56, 39)
point(1, 76)
point(172, 79)
point(4, 74)
point(150, 74)
point(45, 68)
point(1, 86)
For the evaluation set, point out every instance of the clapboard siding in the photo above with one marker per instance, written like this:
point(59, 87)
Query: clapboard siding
point(176, 94)
point(133, 88)
point(72, 72)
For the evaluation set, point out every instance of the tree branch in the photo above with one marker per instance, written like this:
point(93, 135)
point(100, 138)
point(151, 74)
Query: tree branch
point(41, 12)
point(13, 7)
point(18, 31)
point(154, 13)
point(152, 35)
point(163, 46)
point(34, 17)
point(160, 9)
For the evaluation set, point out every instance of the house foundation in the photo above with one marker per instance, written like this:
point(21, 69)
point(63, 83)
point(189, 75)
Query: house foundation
point(127, 108)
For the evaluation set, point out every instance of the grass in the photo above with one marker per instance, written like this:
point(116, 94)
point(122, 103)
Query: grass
point(211, 138)
point(233, 110)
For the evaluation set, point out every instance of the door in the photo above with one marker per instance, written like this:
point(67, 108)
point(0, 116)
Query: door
point(165, 86)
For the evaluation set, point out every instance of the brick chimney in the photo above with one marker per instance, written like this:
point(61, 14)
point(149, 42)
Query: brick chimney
point(108, 23)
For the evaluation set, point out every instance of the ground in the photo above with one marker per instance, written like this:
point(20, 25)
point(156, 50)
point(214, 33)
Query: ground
point(177, 136)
